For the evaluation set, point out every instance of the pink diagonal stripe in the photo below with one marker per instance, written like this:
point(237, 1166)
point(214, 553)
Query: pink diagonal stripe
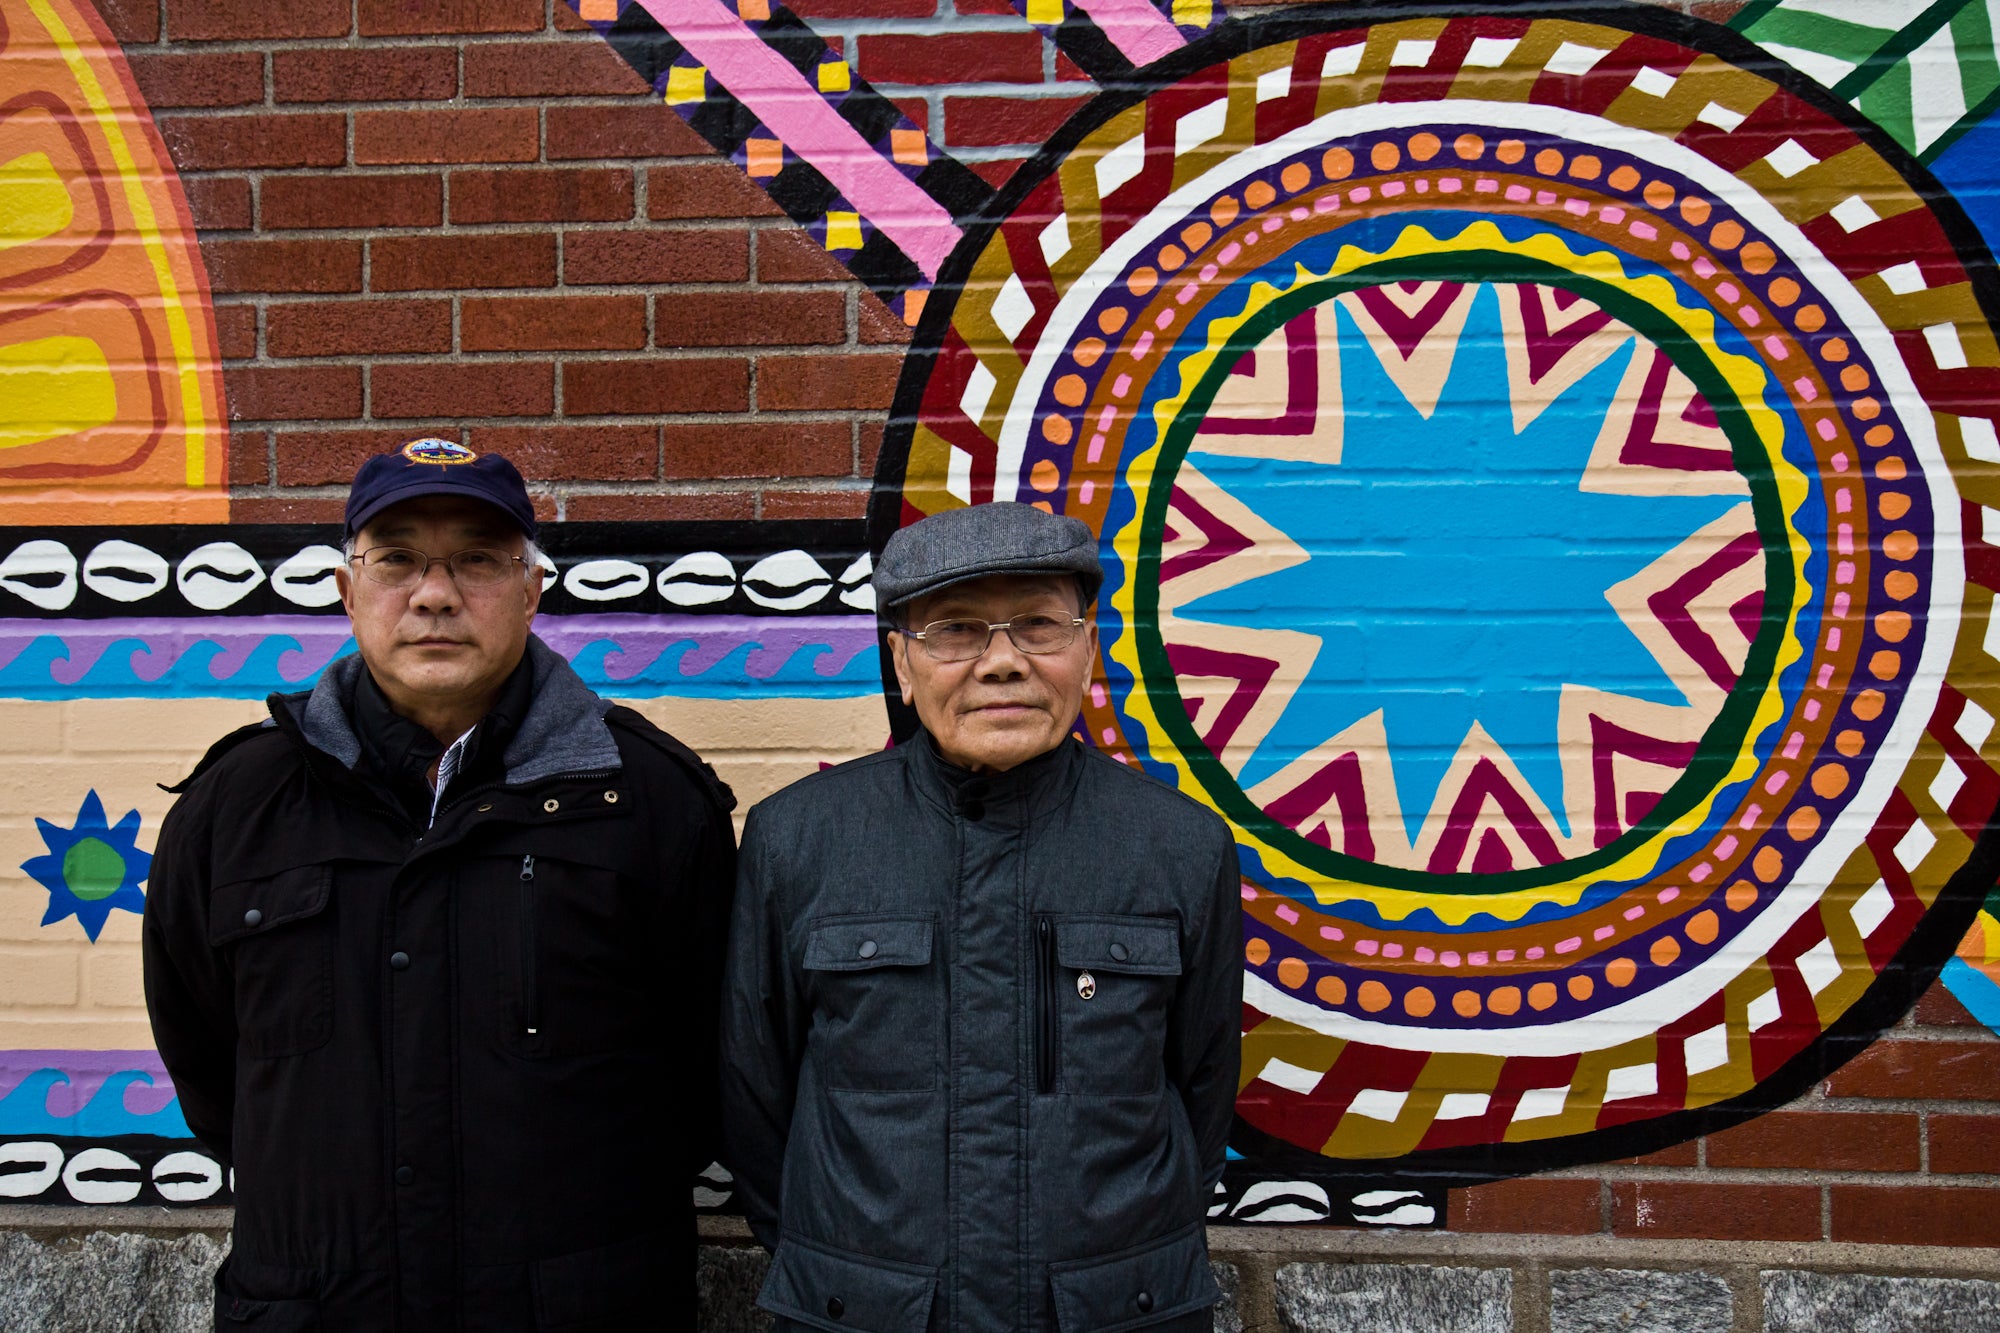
point(1142, 32)
point(793, 110)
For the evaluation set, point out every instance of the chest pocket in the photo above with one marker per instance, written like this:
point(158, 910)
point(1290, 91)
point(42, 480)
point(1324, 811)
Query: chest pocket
point(580, 986)
point(877, 1005)
point(1115, 981)
point(280, 936)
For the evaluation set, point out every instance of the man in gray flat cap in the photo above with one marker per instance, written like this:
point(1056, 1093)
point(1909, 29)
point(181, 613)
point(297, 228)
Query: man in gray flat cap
point(981, 1023)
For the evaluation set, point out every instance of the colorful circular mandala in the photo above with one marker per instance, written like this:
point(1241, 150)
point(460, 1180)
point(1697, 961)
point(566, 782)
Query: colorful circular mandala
point(1531, 459)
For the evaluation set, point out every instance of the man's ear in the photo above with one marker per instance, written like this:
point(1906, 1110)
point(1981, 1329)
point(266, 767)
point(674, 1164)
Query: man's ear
point(899, 656)
point(536, 573)
point(343, 580)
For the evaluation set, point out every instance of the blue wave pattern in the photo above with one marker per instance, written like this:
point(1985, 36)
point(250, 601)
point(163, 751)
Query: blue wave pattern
point(89, 1102)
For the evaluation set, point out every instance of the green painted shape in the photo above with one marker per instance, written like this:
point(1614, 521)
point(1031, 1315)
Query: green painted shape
point(93, 869)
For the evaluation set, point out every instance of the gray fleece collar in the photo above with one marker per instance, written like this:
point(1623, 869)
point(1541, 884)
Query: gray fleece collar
point(564, 730)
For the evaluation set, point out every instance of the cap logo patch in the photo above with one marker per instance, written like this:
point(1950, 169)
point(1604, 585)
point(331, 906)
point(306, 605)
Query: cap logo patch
point(437, 451)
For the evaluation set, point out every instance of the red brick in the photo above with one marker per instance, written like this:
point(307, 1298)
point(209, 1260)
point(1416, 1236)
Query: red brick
point(488, 134)
point(365, 74)
point(997, 173)
point(661, 508)
point(591, 194)
point(132, 22)
point(283, 266)
point(826, 383)
point(1687, 1209)
point(870, 448)
point(207, 78)
point(255, 139)
point(641, 129)
point(249, 458)
point(463, 389)
point(575, 453)
point(983, 7)
point(1820, 1140)
point(655, 385)
point(549, 69)
point(1068, 71)
point(292, 393)
point(758, 449)
point(1939, 1008)
point(537, 323)
point(408, 199)
point(959, 57)
point(865, 9)
point(916, 109)
point(790, 254)
point(567, 19)
point(1940, 1070)
point(330, 457)
point(255, 20)
point(1964, 1144)
point(398, 18)
point(1916, 1215)
point(989, 122)
point(236, 332)
point(284, 509)
point(781, 505)
point(1716, 11)
point(348, 328)
point(704, 190)
point(218, 203)
point(414, 263)
point(655, 255)
point(749, 318)
point(1537, 1207)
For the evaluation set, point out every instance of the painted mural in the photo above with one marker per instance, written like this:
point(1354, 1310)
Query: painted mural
point(1547, 468)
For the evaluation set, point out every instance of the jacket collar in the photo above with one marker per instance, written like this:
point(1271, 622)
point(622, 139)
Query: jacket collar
point(562, 731)
point(1021, 794)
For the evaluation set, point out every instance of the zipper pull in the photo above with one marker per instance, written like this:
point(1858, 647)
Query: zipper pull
point(527, 868)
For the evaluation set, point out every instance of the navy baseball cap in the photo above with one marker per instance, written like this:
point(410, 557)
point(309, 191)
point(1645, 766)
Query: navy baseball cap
point(438, 467)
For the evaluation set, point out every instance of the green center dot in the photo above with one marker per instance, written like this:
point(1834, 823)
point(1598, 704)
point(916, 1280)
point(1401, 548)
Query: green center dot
point(93, 869)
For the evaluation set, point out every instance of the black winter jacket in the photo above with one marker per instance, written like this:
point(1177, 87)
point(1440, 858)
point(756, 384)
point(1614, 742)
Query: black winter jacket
point(462, 1073)
point(980, 1044)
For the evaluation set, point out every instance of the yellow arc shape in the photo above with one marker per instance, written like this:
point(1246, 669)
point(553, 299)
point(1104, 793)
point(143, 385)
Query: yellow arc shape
point(1745, 377)
point(53, 387)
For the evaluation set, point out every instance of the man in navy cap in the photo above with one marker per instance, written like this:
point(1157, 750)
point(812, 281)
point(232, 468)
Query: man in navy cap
point(981, 1023)
point(432, 954)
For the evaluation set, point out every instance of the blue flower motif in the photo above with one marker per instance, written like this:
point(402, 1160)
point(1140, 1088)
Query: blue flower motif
point(91, 867)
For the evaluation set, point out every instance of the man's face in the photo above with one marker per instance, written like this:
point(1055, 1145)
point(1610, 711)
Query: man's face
point(1004, 707)
point(435, 645)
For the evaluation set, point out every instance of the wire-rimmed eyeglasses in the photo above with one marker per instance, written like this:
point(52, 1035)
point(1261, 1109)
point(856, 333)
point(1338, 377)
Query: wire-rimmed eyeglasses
point(400, 567)
point(962, 639)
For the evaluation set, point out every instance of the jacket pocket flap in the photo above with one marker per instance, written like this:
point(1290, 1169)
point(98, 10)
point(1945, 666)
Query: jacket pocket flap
point(252, 906)
point(829, 1288)
point(853, 945)
point(1156, 1282)
point(1150, 946)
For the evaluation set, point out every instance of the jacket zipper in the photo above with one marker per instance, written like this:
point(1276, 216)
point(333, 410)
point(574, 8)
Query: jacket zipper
point(1045, 1005)
point(531, 989)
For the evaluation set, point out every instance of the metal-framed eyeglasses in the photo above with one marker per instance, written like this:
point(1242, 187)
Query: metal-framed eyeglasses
point(963, 639)
point(400, 567)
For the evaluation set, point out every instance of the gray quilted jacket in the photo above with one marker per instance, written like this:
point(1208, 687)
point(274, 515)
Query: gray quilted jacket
point(980, 1044)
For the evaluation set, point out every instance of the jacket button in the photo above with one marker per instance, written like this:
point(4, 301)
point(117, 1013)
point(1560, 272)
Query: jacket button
point(551, 805)
point(399, 960)
point(835, 1307)
point(611, 798)
point(406, 1175)
point(253, 917)
point(1120, 952)
point(869, 948)
point(1144, 1302)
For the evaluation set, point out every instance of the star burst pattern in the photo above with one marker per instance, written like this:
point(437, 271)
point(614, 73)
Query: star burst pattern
point(91, 867)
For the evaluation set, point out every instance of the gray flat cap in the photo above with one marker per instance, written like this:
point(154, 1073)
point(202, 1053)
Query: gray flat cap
point(999, 538)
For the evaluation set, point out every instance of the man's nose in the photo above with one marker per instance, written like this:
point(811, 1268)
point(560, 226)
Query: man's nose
point(1001, 660)
point(435, 590)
